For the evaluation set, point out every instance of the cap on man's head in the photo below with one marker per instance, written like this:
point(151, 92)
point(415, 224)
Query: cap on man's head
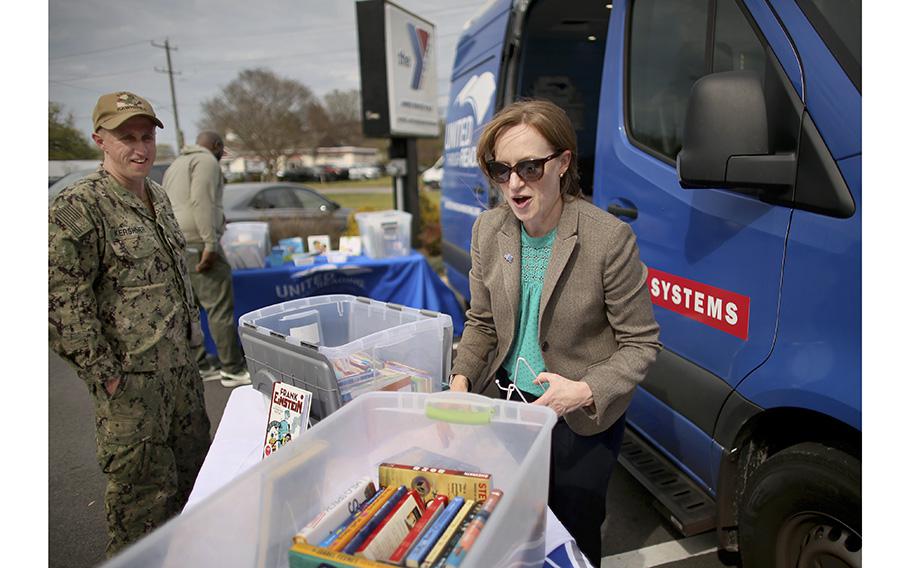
point(113, 109)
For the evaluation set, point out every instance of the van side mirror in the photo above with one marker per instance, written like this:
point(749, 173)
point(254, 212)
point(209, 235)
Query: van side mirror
point(726, 137)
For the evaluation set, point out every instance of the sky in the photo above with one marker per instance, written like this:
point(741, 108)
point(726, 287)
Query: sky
point(99, 46)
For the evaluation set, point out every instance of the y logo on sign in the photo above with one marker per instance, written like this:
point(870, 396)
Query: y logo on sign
point(420, 43)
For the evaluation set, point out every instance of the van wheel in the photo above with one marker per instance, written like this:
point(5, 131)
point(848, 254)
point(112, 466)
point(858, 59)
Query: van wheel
point(803, 508)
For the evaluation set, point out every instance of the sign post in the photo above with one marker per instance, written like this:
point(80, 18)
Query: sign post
point(398, 88)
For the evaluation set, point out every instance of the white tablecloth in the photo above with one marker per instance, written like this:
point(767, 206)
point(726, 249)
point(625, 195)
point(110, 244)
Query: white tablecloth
point(238, 446)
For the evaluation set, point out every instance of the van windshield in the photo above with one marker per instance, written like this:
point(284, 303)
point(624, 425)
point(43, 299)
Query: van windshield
point(840, 25)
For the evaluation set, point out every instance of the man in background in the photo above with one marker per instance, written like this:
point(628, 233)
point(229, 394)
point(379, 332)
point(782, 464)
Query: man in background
point(195, 185)
point(121, 312)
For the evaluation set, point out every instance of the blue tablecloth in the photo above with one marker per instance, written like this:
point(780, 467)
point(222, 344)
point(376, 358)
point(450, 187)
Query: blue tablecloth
point(406, 280)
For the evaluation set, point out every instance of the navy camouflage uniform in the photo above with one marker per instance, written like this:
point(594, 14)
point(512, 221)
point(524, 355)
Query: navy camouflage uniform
point(121, 305)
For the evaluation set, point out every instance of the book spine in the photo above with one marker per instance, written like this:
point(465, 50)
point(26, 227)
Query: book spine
point(433, 511)
point(302, 555)
point(345, 537)
point(448, 534)
point(466, 542)
point(377, 518)
point(392, 530)
point(431, 481)
point(456, 536)
point(337, 511)
point(420, 551)
point(330, 538)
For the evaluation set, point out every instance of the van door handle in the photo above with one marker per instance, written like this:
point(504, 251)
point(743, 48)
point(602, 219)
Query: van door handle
point(620, 211)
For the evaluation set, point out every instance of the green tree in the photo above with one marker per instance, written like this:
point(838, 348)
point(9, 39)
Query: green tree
point(64, 141)
point(267, 115)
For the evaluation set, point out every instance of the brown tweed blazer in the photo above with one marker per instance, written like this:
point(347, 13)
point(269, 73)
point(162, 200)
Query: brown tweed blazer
point(596, 321)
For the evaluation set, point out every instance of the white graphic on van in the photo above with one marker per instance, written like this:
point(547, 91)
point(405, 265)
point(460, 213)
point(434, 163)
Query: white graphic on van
point(477, 94)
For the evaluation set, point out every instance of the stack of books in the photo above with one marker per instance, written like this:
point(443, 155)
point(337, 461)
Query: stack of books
point(419, 517)
point(359, 373)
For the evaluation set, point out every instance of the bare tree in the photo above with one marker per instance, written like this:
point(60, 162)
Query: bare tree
point(343, 111)
point(267, 115)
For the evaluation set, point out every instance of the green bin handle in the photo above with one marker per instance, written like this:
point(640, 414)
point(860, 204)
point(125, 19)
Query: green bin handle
point(459, 415)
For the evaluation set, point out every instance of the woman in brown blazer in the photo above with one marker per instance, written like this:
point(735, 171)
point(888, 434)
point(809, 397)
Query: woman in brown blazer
point(560, 315)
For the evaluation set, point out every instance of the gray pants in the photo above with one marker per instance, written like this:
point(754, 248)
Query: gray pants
point(215, 293)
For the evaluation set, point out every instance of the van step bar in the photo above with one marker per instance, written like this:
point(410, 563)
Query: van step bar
point(681, 501)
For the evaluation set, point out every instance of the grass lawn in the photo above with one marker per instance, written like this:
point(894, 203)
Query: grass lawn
point(373, 201)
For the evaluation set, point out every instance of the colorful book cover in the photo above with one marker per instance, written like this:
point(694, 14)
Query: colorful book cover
point(434, 531)
point(388, 535)
point(380, 515)
point(336, 532)
point(433, 481)
point(345, 537)
point(456, 536)
point(350, 245)
point(456, 557)
point(337, 511)
point(302, 555)
point(433, 511)
point(320, 244)
point(448, 534)
point(289, 415)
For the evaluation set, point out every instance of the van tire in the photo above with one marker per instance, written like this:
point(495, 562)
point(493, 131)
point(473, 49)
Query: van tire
point(803, 507)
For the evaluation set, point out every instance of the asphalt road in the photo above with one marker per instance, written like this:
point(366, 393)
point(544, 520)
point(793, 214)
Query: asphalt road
point(635, 535)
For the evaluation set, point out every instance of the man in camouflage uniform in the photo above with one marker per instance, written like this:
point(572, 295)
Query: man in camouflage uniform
point(121, 311)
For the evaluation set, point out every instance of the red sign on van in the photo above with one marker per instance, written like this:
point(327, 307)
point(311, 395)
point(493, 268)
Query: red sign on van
point(721, 309)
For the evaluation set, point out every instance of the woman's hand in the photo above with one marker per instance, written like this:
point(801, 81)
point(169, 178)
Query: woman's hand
point(563, 395)
point(458, 383)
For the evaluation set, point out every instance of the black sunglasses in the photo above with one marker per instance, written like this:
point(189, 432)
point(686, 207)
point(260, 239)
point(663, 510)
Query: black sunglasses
point(528, 170)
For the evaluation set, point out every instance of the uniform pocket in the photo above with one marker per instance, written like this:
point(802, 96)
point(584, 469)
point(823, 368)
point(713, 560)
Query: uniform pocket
point(123, 431)
point(136, 257)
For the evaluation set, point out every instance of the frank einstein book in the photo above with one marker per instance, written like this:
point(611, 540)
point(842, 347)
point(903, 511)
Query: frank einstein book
point(289, 413)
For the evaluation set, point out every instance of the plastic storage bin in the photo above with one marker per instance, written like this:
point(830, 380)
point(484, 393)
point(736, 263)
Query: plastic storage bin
point(339, 347)
point(246, 245)
point(250, 522)
point(385, 233)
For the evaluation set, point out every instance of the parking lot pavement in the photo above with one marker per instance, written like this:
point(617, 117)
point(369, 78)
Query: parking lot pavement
point(635, 535)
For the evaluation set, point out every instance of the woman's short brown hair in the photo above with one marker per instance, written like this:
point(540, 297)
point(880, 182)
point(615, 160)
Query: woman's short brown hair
point(549, 120)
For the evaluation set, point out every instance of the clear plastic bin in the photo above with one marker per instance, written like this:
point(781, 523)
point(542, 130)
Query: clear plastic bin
point(246, 245)
point(250, 522)
point(385, 233)
point(339, 347)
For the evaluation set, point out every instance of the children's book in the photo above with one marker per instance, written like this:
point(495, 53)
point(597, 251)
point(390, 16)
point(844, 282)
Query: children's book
point(289, 415)
point(455, 526)
point(433, 481)
point(429, 537)
point(456, 557)
point(320, 244)
point(389, 534)
point(350, 245)
point(303, 555)
point(434, 509)
point(337, 511)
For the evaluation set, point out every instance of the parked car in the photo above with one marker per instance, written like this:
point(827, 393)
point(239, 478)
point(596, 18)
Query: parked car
point(291, 210)
point(432, 176)
point(365, 172)
point(157, 174)
point(299, 173)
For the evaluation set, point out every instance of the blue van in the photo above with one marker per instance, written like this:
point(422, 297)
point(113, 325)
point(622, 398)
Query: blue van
point(727, 133)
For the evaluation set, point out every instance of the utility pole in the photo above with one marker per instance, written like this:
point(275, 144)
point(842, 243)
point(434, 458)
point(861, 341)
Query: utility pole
point(170, 73)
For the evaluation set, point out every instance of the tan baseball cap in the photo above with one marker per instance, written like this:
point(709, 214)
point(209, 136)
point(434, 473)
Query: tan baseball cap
point(113, 109)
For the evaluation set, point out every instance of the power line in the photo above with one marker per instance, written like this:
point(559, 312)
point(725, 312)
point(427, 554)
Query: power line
point(103, 49)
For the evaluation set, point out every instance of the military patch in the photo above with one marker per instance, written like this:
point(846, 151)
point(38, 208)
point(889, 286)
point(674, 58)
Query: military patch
point(128, 101)
point(129, 231)
point(74, 222)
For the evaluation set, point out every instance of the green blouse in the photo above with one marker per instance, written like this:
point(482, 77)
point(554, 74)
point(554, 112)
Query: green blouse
point(535, 257)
